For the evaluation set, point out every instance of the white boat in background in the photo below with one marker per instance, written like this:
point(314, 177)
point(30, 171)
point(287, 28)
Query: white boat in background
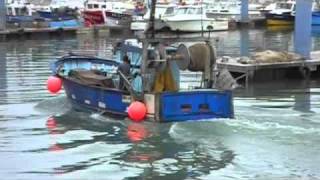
point(231, 10)
point(162, 11)
point(283, 14)
point(193, 18)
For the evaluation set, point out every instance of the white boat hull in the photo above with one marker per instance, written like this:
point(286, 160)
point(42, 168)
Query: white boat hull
point(235, 17)
point(197, 25)
point(143, 25)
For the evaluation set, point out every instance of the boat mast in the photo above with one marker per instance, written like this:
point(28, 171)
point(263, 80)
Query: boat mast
point(145, 44)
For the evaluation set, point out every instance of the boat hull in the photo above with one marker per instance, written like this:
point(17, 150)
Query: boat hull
point(64, 24)
point(162, 107)
point(55, 16)
point(143, 25)
point(110, 19)
point(117, 20)
point(316, 18)
point(279, 20)
point(197, 26)
point(93, 18)
point(109, 101)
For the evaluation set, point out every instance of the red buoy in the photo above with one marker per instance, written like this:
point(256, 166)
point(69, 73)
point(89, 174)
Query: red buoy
point(54, 84)
point(137, 111)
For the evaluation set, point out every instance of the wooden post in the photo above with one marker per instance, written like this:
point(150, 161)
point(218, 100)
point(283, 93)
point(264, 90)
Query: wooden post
point(3, 13)
point(244, 11)
point(302, 28)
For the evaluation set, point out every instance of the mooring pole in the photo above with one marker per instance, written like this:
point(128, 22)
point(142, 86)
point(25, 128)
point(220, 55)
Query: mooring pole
point(244, 42)
point(3, 69)
point(244, 11)
point(2, 15)
point(152, 18)
point(302, 29)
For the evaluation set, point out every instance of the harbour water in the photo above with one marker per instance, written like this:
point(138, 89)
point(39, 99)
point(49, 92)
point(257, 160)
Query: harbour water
point(275, 133)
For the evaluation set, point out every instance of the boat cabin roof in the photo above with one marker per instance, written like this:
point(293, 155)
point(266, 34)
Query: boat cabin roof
point(285, 5)
point(162, 10)
point(189, 10)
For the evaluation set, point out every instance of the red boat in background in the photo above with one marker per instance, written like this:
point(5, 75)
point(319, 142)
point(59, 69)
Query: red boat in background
point(111, 14)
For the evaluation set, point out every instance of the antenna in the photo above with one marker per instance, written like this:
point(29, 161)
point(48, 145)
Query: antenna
point(201, 18)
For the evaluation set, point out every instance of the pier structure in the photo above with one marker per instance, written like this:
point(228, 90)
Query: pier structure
point(278, 70)
point(244, 11)
point(302, 28)
point(2, 15)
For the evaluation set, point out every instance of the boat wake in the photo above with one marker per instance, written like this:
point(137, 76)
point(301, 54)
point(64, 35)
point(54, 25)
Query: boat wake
point(54, 106)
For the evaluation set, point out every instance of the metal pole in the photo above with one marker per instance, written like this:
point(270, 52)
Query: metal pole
point(152, 18)
point(2, 15)
point(244, 42)
point(244, 11)
point(302, 29)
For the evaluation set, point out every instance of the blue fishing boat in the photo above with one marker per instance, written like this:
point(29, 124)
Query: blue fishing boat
point(60, 19)
point(154, 80)
point(55, 15)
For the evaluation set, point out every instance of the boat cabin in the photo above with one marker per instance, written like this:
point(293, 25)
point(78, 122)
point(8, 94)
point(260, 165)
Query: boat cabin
point(284, 7)
point(109, 6)
point(20, 10)
point(162, 10)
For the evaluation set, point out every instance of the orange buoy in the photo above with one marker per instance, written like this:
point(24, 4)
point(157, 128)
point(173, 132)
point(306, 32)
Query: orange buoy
point(137, 111)
point(54, 84)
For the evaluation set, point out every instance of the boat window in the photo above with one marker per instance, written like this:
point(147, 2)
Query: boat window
point(17, 11)
point(90, 6)
point(284, 6)
point(24, 11)
point(104, 6)
point(96, 6)
point(199, 11)
point(159, 11)
point(182, 11)
point(192, 11)
point(169, 10)
point(9, 11)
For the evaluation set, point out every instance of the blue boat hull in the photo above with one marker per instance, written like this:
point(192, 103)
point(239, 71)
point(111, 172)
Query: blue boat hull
point(64, 24)
point(54, 16)
point(316, 18)
point(174, 106)
point(196, 105)
point(109, 101)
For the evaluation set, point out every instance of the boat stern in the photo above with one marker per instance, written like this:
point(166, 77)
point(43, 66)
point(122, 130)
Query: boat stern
point(190, 105)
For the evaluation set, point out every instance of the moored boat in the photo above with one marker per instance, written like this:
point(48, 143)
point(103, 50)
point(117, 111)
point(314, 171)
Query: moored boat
point(231, 10)
point(283, 14)
point(112, 14)
point(162, 11)
point(193, 18)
